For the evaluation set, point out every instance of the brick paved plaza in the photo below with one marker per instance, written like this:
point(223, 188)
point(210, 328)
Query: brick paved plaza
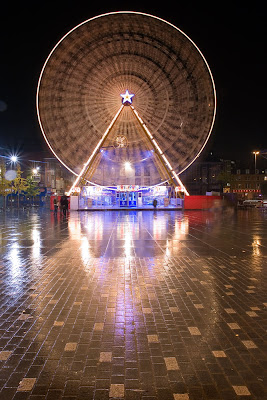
point(133, 305)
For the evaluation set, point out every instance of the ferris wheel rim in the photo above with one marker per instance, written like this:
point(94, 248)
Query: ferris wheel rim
point(135, 13)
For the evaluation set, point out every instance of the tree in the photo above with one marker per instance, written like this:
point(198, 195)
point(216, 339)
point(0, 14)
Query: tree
point(5, 185)
point(19, 184)
point(32, 187)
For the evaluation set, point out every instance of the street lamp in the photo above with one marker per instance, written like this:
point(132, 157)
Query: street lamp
point(255, 154)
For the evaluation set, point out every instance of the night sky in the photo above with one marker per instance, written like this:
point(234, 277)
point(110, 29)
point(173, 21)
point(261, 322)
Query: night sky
point(231, 37)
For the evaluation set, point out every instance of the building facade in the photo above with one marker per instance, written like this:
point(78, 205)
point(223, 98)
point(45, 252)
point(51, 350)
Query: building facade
point(207, 176)
point(247, 183)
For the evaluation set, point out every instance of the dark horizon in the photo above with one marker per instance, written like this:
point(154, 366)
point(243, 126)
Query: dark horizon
point(231, 40)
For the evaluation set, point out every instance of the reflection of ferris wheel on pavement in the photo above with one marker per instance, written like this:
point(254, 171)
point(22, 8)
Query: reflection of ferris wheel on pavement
point(133, 85)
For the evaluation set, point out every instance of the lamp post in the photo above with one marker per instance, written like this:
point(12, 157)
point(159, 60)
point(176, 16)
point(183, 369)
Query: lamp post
point(10, 175)
point(255, 154)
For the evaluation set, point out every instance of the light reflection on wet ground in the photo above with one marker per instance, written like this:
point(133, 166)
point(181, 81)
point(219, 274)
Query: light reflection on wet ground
point(147, 287)
point(134, 233)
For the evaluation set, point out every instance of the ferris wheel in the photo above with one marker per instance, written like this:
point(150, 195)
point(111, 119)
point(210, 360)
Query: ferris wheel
point(126, 86)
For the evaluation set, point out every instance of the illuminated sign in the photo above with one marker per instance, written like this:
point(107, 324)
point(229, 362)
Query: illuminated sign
point(246, 190)
point(128, 188)
point(75, 189)
point(157, 190)
point(93, 190)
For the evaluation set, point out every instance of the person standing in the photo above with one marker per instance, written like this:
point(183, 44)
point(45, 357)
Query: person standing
point(55, 205)
point(64, 204)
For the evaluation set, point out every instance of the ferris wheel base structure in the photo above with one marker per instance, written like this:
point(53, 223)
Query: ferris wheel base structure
point(125, 197)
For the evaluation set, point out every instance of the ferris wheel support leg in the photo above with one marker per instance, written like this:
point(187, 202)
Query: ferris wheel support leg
point(166, 164)
point(86, 166)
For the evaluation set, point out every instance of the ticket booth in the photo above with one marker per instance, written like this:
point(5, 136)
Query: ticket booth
point(128, 195)
point(128, 199)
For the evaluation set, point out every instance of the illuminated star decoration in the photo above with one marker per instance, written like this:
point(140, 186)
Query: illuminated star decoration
point(127, 97)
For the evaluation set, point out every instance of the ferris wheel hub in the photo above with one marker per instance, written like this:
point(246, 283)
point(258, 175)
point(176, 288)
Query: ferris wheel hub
point(127, 98)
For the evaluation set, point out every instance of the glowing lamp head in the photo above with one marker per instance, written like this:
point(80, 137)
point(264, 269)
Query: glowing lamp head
point(127, 98)
point(14, 158)
point(128, 165)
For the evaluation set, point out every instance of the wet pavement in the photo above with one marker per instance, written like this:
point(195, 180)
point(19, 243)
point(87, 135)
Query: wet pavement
point(133, 305)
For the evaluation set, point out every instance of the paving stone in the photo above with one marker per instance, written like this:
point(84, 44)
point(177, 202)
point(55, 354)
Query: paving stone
point(24, 317)
point(116, 390)
point(171, 363)
point(181, 396)
point(249, 344)
point(105, 357)
point(26, 384)
point(230, 311)
point(251, 314)
point(152, 338)
point(58, 323)
point(174, 309)
point(219, 353)
point(194, 330)
point(4, 355)
point(99, 326)
point(233, 325)
point(199, 306)
point(70, 346)
point(147, 310)
point(241, 390)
